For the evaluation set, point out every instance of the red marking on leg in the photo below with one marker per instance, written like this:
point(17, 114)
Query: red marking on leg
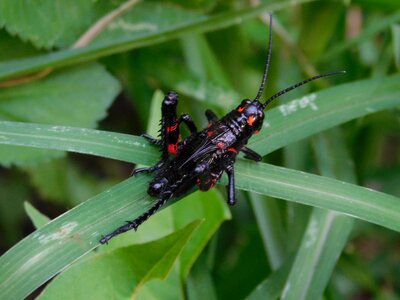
point(173, 149)
point(232, 150)
point(221, 145)
point(257, 131)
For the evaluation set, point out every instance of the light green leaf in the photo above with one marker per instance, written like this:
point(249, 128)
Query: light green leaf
point(68, 237)
point(366, 34)
point(271, 288)
point(327, 231)
point(323, 192)
point(396, 44)
point(38, 219)
point(106, 144)
point(46, 23)
point(146, 38)
point(314, 113)
point(51, 248)
point(78, 96)
point(122, 272)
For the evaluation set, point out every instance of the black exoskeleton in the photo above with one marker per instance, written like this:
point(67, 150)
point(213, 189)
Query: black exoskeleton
point(201, 158)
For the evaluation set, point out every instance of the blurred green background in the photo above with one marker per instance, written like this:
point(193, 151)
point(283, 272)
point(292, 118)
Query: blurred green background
point(212, 53)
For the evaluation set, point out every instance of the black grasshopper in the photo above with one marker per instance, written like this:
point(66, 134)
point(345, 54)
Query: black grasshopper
point(200, 159)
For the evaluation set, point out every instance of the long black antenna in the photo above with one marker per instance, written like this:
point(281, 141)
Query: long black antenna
point(265, 76)
point(288, 89)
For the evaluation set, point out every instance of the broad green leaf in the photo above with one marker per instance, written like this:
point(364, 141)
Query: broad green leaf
point(323, 192)
point(77, 96)
point(270, 224)
point(149, 37)
point(271, 288)
point(316, 112)
point(83, 224)
point(322, 243)
point(120, 273)
point(327, 231)
point(283, 125)
point(38, 219)
point(169, 288)
point(200, 284)
point(208, 206)
point(147, 18)
point(95, 142)
point(46, 23)
point(51, 248)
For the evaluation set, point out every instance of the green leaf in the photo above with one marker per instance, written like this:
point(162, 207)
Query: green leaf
point(323, 192)
point(147, 37)
point(51, 248)
point(327, 108)
point(78, 96)
point(38, 219)
point(63, 182)
point(396, 44)
point(271, 287)
point(46, 23)
point(88, 141)
point(327, 231)
point(283, 125)
point(122, 272)
point(68, 237)
point(366, 34)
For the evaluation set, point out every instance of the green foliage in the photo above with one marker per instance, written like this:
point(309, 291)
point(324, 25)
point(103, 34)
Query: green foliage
point(343, 128)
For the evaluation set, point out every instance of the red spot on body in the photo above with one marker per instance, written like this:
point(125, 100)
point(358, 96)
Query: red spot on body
point(240, 109)
point(251, 120)
point(232, 150)
point(210, 133)
point(221, 145)
point(173, 149)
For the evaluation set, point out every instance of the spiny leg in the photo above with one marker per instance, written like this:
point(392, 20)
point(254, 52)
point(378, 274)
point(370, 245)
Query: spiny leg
point(134, 224)
point(230, 188)
point(251, 154)
point(169, 131)
point(151, 140)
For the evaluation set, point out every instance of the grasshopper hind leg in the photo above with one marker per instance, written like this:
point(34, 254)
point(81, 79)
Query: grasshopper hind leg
point(134, 224)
